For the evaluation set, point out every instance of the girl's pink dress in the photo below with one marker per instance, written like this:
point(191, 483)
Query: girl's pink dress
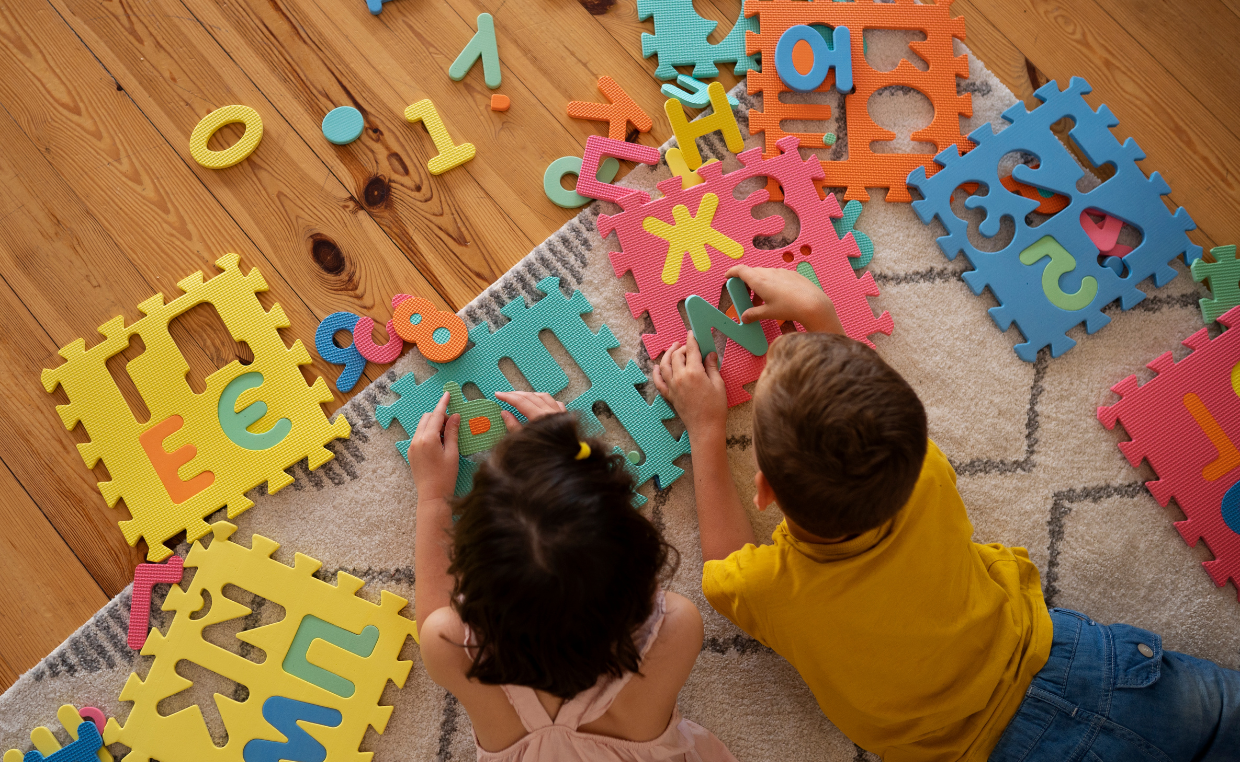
point(559, 740)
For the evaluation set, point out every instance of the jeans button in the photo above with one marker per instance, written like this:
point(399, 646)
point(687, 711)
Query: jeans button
point(1145, 650)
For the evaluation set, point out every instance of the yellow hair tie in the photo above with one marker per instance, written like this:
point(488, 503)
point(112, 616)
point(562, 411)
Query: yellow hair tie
point(583, 453)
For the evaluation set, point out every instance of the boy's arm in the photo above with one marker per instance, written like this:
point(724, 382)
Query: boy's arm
point(787, 295)
point(696, 389)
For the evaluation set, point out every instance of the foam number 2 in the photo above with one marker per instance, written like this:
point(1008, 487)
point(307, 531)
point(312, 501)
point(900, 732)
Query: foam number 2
point(441, 336)
point(236, 423)
point(1062, 263)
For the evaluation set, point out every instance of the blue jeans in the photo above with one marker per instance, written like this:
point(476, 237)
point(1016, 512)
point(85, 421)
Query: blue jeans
point(1111, 694)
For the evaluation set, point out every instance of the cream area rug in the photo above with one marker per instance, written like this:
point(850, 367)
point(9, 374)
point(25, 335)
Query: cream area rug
point(1036, 470)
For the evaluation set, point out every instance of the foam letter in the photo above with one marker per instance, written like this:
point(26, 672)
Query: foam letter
point(167, 464)
point(312, 628)
point(145, 577)
point(703, 316)
point(481, 45)
point(837, 56)
point(687, 133)
point(236, 424)
point(283, 714)
point(597, 147)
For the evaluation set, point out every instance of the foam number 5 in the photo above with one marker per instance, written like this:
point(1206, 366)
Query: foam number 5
point(236, 423)
point(1061, 264)
point(441, 336)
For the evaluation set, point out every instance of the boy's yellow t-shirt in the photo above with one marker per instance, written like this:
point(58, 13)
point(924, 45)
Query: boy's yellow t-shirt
point(918, 643)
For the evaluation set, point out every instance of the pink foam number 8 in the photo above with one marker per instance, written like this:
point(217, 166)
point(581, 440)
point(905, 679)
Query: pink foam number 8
point(366, 345)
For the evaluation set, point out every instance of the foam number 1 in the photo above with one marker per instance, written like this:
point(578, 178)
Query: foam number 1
point(450, 154)
point(441, 336)
point(1062, 263)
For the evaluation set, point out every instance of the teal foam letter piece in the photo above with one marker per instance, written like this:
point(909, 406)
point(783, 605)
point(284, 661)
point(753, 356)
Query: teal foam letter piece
point(284, 715)
point(481, 46)
point(703, 316)
point(481, 424)
point(1224, 275)
point(571, 165)
point(236, 424)
point(312, 628)
point(697, 97)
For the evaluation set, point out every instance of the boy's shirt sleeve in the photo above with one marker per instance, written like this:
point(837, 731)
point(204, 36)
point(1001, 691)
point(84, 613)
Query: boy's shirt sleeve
point(726, 586)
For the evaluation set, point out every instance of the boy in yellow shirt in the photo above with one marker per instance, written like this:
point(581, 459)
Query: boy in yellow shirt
point(918, 643)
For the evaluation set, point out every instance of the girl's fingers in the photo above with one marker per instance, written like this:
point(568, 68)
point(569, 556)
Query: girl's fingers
point(452, 431)
point(510, 420)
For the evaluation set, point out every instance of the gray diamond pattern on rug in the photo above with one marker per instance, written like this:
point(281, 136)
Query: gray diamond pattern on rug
point(1035, 469)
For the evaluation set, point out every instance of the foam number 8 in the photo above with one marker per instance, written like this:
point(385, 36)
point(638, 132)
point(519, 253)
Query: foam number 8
point(441, 336)
point(1062, 263)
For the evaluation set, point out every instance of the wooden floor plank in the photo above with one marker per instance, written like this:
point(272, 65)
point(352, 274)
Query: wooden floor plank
point(286, 200)
point(44, 595)
point(1188, 145)
point(1171, 32)
point(295, 53)
point(1000, 54)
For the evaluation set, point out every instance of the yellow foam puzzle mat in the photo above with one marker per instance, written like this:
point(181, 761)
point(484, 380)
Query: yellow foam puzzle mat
point(44, 741)
point(321, 626)
point(237, 152)
point(248, 425)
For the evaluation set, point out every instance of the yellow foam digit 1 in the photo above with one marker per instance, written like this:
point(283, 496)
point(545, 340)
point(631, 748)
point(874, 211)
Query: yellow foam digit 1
point(237, 152)
point(450, 154)
point(1061, 264)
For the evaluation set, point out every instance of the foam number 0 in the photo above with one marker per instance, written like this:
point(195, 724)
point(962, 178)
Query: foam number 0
point(1061, 264)
point(237, 152)
point(450, 154)
point(236, 423)
point(441, 336)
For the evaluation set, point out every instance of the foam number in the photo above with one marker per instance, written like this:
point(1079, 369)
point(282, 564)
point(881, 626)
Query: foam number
point(311, 629)
point(450, 154)
point(721, 119)
point(349, 356)
point(1061, 264)
point(837, 55)
point(285, 715)
point(482, 426)
point(237, 152)
point(703, 316)
point(691, 235)
point(236, 423)
point(168, 464)
point(441, 336)
point(366, 345)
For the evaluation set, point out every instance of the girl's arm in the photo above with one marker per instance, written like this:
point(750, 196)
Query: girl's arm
point(434, 466)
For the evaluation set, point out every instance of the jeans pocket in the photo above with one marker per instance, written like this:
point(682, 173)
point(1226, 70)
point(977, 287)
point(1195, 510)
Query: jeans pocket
point(1138, 656)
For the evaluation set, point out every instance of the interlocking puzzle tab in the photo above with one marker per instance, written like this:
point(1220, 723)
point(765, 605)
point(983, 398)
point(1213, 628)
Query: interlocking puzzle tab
point(46, 746)
point(645, 254)
point(183, 735)
point(864, 167)
point(1186, 423)
point(619, 112)
point(145, 577)
point(482, 426)
point(519, 341)
point(159, 375)
point(1031, 291)
point(680, 40)
point(1224, 281)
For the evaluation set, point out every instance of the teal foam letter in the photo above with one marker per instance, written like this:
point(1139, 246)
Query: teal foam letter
point(703, 316)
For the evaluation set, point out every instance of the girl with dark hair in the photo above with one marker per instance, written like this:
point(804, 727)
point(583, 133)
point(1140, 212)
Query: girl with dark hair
point(541, 609)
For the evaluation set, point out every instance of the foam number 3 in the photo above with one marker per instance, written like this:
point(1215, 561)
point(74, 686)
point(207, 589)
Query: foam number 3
point(441, 336)
point(236, 423)
point(1061, 264)
point(450, 154)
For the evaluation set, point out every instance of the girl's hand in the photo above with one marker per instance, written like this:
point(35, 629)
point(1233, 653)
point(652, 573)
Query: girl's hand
point(532, 405)
point(787, 295)
point(433, 462)
point(694, 387)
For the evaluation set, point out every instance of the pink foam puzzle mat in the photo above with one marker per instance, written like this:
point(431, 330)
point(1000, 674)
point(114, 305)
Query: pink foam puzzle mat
point(646, 254)
point(1185, 422)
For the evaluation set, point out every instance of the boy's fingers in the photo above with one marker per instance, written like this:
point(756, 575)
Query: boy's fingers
point(691, 347)
point(756, 313)
point(659, 383)
point(712, 364)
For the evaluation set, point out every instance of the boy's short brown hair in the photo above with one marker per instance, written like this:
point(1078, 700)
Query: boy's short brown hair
point(839, 434)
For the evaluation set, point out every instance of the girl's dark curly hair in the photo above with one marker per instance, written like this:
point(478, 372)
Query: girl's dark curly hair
point(554, 569)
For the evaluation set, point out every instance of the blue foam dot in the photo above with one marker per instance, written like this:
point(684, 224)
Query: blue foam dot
point(1231, 508)
point(343, 125)
point(441, 335)
point(415, 318)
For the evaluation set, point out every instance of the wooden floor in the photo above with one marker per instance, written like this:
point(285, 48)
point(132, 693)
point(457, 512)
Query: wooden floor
point(101, 205)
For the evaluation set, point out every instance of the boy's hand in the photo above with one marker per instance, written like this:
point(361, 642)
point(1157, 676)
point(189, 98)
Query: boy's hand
point(694, 387)
point(532, 405)
point(434, 463)
point(788, 295)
